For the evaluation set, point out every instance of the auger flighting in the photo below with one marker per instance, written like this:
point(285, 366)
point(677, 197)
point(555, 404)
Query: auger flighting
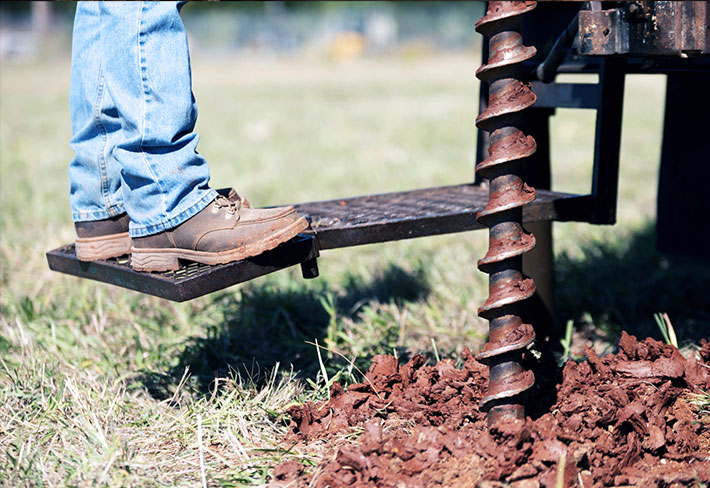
point(509, 96)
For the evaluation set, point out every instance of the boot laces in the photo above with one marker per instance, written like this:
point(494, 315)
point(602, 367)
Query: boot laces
point(224, 202)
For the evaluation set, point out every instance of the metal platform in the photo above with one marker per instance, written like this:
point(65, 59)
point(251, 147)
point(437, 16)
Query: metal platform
point(334, 224)
point(405, 215)
point(190, 281)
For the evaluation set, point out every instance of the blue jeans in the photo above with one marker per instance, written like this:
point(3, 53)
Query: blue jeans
point(133, 116)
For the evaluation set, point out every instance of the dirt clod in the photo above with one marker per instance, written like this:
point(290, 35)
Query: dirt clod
point(620, 420)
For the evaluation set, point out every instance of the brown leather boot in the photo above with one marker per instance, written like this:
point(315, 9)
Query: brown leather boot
point(102, 239)
point(108, 238)
point(222, 232)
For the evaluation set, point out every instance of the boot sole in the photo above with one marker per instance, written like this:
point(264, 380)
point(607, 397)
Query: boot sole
point(103, 247)
point(167, 259)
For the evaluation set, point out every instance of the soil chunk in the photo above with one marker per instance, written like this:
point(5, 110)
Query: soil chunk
point(620, 420)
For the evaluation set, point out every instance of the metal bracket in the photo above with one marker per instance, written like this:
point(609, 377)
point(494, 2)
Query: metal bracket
point(646, 28)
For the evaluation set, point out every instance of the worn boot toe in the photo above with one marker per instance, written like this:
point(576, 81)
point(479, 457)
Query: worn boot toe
point(222, 232)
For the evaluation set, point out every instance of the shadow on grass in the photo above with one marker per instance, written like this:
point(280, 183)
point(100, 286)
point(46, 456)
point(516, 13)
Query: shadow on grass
point(621, 285)
point(272, 325)
point(618, 285)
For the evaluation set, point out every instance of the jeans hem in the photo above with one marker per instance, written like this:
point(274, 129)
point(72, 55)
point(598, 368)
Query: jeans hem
point(98, 214)
point(149, 229)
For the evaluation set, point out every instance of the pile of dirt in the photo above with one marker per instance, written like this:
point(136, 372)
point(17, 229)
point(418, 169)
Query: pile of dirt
point(621, 420)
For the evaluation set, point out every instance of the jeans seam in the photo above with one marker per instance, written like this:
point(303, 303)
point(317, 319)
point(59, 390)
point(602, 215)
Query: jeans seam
point(144, 81)
point(103, 173)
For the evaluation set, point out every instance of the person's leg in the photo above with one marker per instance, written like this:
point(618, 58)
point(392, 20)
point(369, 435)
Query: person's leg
point(173, 213)
point(95, 195)
point(147, 74)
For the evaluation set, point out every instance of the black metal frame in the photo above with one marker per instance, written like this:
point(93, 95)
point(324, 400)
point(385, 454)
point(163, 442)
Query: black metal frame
point(606, 97)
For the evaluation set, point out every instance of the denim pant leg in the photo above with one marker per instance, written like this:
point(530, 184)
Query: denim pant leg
point(94, 174)
point(146, 73)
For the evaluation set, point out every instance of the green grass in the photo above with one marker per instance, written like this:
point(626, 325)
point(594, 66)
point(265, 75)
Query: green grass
point(102, 386)
point(701, 401)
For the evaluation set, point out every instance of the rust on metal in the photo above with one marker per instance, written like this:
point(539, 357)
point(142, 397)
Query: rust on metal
point(646, 28)
point(509, 96)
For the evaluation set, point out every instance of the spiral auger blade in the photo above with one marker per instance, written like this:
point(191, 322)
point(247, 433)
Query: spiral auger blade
point(509, 96)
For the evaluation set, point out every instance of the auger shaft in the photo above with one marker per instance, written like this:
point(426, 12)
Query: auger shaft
point(509, 96)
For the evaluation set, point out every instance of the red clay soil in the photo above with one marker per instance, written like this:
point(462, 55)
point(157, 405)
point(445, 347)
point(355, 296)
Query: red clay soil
point(621, 420)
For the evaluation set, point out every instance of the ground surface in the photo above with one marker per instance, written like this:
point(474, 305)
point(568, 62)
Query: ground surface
point(624, 420)
point(102, 386)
